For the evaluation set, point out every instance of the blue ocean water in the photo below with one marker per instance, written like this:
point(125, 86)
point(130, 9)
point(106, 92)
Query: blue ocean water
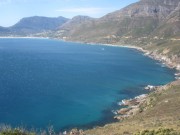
point(48, 82)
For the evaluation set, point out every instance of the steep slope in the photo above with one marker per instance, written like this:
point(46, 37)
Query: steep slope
point(171, 26)
point(164, 41)
point(77, 20)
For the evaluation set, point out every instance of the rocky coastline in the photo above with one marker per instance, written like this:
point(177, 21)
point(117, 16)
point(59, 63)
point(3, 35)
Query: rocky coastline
point(132, 107)
point(172, 62)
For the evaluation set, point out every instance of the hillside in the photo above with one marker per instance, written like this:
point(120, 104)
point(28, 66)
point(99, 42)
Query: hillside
point(160, 110)
point(136, 20)
point(68, 27)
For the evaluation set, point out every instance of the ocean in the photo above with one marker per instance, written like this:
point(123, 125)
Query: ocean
point(47, 82)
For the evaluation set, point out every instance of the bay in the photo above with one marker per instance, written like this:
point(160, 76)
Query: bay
point(49, 82)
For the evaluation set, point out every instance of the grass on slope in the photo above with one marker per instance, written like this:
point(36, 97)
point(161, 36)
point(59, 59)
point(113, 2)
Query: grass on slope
point(166, 47)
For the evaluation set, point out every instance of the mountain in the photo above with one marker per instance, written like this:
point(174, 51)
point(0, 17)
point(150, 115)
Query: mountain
point(171, 26)
point(71, 25)
point(137, 20)
point(35, 24)
point(4, 31)
point(77, 20)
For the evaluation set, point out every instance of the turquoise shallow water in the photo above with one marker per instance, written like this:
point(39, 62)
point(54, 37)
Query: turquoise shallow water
point(48, 82)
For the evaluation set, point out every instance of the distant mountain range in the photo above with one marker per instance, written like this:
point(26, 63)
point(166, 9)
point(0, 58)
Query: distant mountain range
point(32, 25)
point(151, 24)
point(142, 19)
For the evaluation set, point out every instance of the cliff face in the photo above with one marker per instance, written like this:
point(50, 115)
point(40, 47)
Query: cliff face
point(170, 27)
point(146, 8)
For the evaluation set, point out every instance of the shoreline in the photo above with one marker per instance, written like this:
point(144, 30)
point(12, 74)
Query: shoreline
point(130, 107)
point(162, 59)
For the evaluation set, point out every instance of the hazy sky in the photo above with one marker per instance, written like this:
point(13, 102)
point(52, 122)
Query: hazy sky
point(12, 11)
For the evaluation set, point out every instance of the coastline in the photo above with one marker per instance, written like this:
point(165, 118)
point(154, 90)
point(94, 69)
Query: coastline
point(162, 59)
point(130, 107)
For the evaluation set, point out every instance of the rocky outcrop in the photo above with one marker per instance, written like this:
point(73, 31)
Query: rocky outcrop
point(132, 107)
point(144, 102)
point(76, 132)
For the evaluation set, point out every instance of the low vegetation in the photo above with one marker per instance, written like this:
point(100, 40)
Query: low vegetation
point(16, 131)
point(160, 114)
point(160, 131)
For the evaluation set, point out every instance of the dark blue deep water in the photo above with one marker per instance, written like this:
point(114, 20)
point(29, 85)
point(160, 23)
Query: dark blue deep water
point(48, 82)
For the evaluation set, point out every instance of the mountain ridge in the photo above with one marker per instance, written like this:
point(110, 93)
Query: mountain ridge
point(137, 19)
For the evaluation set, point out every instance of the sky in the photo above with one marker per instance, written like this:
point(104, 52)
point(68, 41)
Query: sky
point(11, 11)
